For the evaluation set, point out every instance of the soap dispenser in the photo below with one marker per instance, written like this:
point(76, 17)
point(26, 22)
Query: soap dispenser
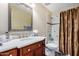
point(7, 35)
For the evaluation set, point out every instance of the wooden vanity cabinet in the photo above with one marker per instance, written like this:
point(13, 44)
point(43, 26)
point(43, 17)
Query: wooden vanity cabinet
point(12, 52)
point(36, 49)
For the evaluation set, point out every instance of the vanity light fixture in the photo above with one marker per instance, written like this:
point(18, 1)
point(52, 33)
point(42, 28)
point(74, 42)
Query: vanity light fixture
point(32, 5)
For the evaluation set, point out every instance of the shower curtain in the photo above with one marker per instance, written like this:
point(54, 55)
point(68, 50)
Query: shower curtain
point(69, 28)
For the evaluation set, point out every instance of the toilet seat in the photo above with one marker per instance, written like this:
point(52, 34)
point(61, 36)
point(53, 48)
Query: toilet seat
point(52, 46)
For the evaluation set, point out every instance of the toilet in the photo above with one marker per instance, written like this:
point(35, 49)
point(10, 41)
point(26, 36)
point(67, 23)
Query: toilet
point(51, 48)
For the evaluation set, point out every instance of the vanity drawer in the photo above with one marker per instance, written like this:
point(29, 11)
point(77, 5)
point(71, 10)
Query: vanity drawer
point(12, 52)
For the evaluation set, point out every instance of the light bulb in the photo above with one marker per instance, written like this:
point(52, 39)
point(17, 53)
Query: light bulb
point(32, 5)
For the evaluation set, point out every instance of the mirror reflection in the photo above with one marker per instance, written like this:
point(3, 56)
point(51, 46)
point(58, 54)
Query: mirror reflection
point(21, 17)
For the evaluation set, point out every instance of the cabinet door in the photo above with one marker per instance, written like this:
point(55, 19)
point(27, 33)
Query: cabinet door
point(39, 51)
point(12, 52)
point(27, 51)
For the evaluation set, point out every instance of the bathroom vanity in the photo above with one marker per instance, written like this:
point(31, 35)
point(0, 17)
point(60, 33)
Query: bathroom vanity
point(24, 47)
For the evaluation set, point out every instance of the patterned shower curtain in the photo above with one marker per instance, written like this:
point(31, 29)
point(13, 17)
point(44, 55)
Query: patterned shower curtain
point(69, 28)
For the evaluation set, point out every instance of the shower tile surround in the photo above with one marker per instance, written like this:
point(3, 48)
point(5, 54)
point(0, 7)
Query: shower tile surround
point(55, 29)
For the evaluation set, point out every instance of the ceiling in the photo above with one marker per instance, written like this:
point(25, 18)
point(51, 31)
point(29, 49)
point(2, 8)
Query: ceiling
point(56, 8)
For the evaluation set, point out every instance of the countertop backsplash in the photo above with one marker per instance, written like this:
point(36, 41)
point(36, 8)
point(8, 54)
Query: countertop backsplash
point(14, 35)
point(17, 35)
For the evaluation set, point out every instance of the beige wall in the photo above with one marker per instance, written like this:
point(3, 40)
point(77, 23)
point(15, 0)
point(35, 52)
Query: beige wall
point(40, 18)
point(3, 17)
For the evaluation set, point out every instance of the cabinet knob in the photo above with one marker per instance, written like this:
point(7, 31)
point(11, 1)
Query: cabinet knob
point(10, 55)
point(39, 45)
point(28, 50)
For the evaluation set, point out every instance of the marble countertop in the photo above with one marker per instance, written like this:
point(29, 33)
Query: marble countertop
point(19, 43)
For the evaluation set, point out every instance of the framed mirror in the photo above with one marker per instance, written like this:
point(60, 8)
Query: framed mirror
point(20, 17)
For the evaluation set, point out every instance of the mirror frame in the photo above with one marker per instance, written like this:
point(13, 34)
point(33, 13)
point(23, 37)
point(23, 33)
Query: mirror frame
point(9, 19)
